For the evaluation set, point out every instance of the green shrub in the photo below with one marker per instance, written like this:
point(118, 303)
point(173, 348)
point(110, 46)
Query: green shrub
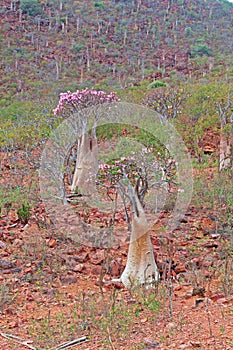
point(200, 49)
point(31, 7)
point(156, 84)
point(99, 4)
point(24, 212)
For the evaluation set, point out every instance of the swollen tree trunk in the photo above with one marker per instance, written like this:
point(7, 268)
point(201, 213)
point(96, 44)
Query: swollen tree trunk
point(86, 164)
point(226, 151)
point(141, 268)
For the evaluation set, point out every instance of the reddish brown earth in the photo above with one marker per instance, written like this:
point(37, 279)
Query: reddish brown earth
point(58, 291)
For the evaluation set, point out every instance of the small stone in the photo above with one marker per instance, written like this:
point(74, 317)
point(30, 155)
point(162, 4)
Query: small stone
point(117, 284)
point(97, 258)
point(116, 267)
point(188, 294)
point(179, 269)
point(151, 344)
point(199, 301)
point(2, 245)
point(184, 346)
point(81, 257)
point(199, 291)
point(217, 296)
point(78, 268)
point(52, 243)
point(11, 310)
point(6, 264)
point(69, 280)
point(215, 235)
point(224, 300)
point(17, 242)
point(170, 326)
point(28, 270)
point(97, 270)
point(13, 324)
point(195, 344)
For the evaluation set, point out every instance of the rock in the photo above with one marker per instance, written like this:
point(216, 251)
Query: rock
point(225, 300)
point(97, 258)
point(69, 280)
point(208, 262)
point(117, 284)
point(199, 291)
point(17, 242)
point(144, 320)
point(208, 225)
point(216, 296)
point(211, 245)
point(13, 324)
point(97, 270)
point(170, 326)
point(199, 301)
point(81, 257)
point(11, 310)
point(215, 235)
point(152, 344)
point(179, 269)
point(184, 220)
point(188, 294)
point(195, 344)
point(2, 245)
point(198, 235)
point(28, 270)
point(6, 264)
point(184, 346)
point(208, 149)
point(78, 268)
point(52, 243)
point(116, 267)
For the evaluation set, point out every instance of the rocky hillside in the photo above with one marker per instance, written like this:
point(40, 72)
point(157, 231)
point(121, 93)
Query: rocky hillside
point(57, 44)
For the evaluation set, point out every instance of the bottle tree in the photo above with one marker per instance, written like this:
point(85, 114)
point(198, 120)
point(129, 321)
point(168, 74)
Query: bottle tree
point(224, 107)
point(140, 180)
point(76, 103)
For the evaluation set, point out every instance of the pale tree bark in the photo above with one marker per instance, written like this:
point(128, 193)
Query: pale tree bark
point(85, 119)
point(224, 110)
point(141, 268)
point(226, 151)
point(86, 166)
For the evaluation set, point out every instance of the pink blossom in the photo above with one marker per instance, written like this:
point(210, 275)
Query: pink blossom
point(83, 98)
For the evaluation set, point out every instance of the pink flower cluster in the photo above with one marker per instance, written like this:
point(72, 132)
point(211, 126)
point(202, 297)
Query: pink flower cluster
point(82, 99)
point(103, 167)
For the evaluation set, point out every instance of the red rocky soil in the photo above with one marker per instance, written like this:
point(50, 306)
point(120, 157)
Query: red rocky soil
point(54, 290)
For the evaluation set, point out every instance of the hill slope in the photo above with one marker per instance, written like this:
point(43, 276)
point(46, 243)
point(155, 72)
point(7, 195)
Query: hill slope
point(47, 44)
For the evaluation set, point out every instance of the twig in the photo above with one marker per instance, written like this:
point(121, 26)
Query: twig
point(68, 344)
point(208, 317)
point(17, 340)
point(110, 340)
point(74, 195)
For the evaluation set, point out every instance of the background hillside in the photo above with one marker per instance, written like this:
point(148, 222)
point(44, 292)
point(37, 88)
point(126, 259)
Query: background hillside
point(52, 45)
point(175, 57)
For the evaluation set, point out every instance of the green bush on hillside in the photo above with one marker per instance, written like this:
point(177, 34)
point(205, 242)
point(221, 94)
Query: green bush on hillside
point(156, 84)
point(31, 7)
point(99, 4)
point(200, 49)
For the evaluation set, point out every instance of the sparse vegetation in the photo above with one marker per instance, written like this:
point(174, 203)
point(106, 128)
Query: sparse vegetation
point(174, 57)
point(24, 212)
